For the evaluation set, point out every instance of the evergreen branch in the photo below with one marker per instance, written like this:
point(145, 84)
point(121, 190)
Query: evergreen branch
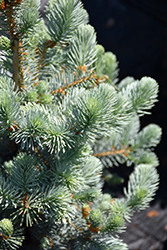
point(31, 128)
point(66, 106)
point(96, 114)
point(28, 209)
point(61, 89)
point(125, 151)
point(143, 94)
point(106, 64)
point(9, 111)
point(112, 243)
point(129, 145)
point(82, 48)
point(23, 174)
point(97, 80)
point(11, 237)
point(8, 194)
point(74, 226)
point(148, 137)
point(142, 156)
point(27, 17)
point(142, 185)
point(57, 201)
point(63, 19)
point(47, 44)
point(16, 45)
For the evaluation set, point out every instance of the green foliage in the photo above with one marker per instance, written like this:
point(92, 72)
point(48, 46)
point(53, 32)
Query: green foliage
point(81, 48)
point(142, 184)
point(11, 238)
point(27, 16)
point(114, 222)
point(106, 64)
point(6, 227)
point(130, 145)
point(4, 43)
point(142, 94)
point(64, 118)
point(8, 108)
point(95, 218)
point(63, 18)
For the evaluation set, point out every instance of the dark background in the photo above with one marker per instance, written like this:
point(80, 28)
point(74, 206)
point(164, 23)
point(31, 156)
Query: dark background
point(136, 32)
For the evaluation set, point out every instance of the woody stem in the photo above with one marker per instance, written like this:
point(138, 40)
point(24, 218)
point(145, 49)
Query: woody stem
point(15, 46)
point(124, 151)
point(73, 84)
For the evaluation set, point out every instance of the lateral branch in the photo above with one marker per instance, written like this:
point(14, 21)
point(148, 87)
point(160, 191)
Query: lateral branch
point(61, 89)
point(123, 150)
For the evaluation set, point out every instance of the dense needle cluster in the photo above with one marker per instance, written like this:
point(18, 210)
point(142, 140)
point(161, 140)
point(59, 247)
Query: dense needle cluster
point(64, 119)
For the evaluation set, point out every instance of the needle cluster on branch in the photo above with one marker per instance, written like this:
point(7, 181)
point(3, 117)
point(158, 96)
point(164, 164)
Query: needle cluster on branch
point(64, 118)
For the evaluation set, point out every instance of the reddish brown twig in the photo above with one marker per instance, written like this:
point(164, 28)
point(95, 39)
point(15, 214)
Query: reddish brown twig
point(59, 90)
point(123, 150)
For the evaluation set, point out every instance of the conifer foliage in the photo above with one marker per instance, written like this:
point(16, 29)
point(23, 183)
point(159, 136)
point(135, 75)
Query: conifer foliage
point(64, 117)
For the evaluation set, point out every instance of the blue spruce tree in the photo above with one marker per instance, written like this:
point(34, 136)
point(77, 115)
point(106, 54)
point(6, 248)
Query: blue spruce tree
point(64, 117)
